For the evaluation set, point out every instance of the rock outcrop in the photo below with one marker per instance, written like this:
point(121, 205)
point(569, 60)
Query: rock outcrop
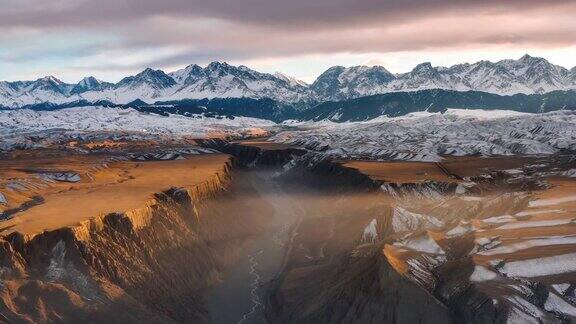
point(150, 264)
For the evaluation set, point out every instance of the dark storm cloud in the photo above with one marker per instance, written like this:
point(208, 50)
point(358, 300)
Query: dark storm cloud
point(43, 13)
point(229, 40)
point(251, 29)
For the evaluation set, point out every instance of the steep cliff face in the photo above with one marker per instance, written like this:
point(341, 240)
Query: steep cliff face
point(335, 271)
point(250, 153)
point(150, 264)
point(354, 290)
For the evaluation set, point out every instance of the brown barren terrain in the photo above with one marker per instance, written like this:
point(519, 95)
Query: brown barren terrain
point(105, 187)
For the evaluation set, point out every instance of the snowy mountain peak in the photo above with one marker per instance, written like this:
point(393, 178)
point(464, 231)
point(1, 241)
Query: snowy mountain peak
point(217, 64)
point(361, 71)
point(424, 69)
point(327, 85)
point(220, 79)
point(192, 70)
point(339, 82)
point(220, 66)
point(290, 80)
point(155, 79)
point(221, 69)
point(151, 74)
point(335, 70)
point(50, 79)
point(88, 81)
point(49, 84)
point(90, 84)
point(531, 59)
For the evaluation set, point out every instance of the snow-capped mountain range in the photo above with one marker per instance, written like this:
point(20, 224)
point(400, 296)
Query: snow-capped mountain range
point(527, 75)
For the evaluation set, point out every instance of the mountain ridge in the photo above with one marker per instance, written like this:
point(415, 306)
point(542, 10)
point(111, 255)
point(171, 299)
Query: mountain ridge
point(398, 104)
point(527, 75)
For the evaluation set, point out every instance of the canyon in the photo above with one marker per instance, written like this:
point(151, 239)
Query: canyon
point(253, 162)
point(253, 231)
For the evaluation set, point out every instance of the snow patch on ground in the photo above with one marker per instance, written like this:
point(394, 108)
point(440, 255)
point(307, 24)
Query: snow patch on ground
point(15, 125)
point(427, 136)
point(523, 311)
point(556, 304)
point(484, 114)
point(404, 220)
point(537, 223)
point(499, 219)
point(370, 234)
point(545, 266)
point(459, 230)
point(421, 243)
point(61, 270)
point(61, 176)
point(56, 270)
point(471, 198)
point(551, 202)
point(545, 241)
point(481, 274)
point(487, 243)
point(538, 212)
point(561, 288)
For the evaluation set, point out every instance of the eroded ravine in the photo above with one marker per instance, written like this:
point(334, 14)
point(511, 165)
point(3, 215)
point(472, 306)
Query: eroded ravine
point(278, 236)
point(239, 297)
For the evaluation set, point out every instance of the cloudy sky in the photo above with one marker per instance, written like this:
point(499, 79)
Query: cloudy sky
point(110, 39)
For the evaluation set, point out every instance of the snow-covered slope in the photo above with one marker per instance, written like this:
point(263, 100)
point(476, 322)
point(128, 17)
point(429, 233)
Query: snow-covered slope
point(47, 89)
point(291, 80)
point(396, 104)
point(220, 80)
point(147, 85)
point(526, 75)
point(17, 125)
point(426, 136)
point(90, 84)
point(339, 83)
